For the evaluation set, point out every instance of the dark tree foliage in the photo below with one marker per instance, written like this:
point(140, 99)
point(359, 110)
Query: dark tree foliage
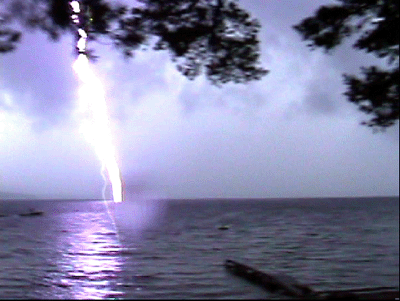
point(216, 37)
point(377, 24)
point(8, 36)
point(8, 39)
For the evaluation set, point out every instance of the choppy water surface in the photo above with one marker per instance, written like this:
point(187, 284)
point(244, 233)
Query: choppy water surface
point(174, 249)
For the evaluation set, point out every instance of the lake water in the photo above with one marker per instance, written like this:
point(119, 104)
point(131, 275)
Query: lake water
point(174, 249)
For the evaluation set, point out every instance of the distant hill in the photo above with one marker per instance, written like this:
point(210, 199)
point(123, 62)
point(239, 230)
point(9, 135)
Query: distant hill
point(13, 196)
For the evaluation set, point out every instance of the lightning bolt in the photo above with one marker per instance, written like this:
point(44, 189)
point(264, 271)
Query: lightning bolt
point(93, 102)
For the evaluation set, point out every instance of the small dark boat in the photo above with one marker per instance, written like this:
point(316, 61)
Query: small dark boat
point(223, 227)
point(32, 212)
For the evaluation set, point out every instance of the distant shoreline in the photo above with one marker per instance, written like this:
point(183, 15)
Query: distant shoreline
point(282, 199)
point(13, 196)
point(206, 199)
point(48, 199)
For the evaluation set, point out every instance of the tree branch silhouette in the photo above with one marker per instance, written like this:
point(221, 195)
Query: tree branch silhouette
point(214, 37)
point(377, 23)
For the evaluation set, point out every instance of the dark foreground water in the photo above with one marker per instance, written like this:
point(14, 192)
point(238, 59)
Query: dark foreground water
point(174, 249)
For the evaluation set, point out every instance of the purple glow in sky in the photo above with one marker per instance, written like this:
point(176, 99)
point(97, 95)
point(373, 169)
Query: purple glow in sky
point(291, 134)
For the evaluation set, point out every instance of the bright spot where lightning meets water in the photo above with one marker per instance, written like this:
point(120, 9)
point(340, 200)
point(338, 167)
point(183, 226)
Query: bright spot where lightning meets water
point(92, 102)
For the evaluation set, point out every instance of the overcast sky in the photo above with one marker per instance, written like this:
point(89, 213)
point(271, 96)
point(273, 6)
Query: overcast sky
point(292, 134)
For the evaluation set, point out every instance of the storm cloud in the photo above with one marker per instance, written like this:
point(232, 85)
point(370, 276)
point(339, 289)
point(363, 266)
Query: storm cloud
point(291, 134)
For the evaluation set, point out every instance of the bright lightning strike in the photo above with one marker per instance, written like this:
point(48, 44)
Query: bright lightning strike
point(92, 101)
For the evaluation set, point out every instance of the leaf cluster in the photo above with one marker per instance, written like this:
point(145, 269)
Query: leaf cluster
point(376, 22)
point(216, 37)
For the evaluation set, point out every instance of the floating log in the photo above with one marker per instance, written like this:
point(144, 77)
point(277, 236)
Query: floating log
point(288, 286)
point(283, 284)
